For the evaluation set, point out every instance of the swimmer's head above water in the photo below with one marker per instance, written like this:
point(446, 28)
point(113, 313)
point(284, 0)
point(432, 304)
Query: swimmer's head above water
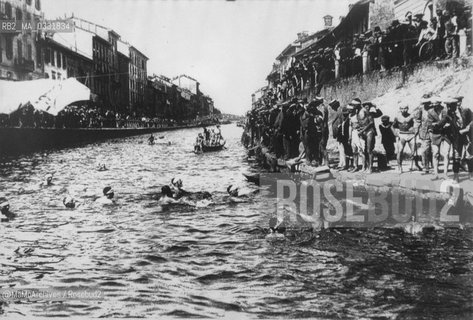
point(232, 191)
point(176, 183)
point(108, 192)
point(166, 191)
point(69, 202)
point(4, 206)
point(49, 179)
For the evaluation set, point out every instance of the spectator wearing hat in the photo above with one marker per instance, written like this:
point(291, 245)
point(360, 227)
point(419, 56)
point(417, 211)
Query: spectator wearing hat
point(451, 36)
point(437, 122)
point(455, 122)
point(336, 131)
point(467, 118)
point(426, 33)
point(358, 144)
point(367, 133)
point(321, 114)
point(394, 38)
point(344, 137)
point(309, 133)
point(388, 137)
point(280, 129)
point(423, 133)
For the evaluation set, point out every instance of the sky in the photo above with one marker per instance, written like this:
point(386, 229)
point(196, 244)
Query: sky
point(228, 46)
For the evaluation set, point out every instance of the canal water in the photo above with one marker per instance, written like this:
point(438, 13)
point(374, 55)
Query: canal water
point(209, 260)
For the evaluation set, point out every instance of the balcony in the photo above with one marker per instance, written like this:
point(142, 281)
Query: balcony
point(24, 64)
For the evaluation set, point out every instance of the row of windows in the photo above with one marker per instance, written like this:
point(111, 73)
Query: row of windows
point(54, 57)
point(136, 86)
point(135, 73)
point(103, 53)
point(21, 47)
point(137, 61)
point(8, 10)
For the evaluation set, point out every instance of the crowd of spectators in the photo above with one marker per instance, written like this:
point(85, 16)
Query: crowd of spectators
point(399, 45)
point(299, 130)
point(84, 116)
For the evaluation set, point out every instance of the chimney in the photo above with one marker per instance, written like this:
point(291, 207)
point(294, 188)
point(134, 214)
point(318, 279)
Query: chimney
point(328, 21)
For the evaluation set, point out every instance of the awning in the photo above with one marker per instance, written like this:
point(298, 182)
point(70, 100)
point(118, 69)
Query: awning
point(47, 95)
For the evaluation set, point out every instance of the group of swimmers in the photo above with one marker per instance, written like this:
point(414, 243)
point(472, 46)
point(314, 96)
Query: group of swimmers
point(170, 194)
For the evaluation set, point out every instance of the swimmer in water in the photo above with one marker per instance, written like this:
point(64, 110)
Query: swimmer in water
point(69, 202)
point(48, 181)
point(102, 167)
point(107, 197)
point(5, 209)
point(277, 226)
point(235, 192)
point(151, 140)
point(176, 188)
point(166, 196)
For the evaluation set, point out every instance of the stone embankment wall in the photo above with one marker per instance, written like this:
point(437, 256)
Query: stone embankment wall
point(386, 88)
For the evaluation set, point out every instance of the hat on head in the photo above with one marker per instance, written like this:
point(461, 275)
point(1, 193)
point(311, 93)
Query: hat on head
point(436, 100)
point(395, 23)
point(425, 101)
point(355, 102)
point(367, 103)
point(385, 118)
point(408, 14)
point(458, 98)
point(449, 101)
point(419, 16)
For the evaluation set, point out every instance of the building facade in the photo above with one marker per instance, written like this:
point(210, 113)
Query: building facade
point(60, 62)
point(138, 80)
point(18, 52)
point(124, 92)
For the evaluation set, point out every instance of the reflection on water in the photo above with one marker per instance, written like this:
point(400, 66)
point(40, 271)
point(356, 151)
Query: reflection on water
point(211, 261)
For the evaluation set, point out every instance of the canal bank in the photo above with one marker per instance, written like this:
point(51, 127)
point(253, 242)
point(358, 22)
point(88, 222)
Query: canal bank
point(15, 141)
point(429, 200)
